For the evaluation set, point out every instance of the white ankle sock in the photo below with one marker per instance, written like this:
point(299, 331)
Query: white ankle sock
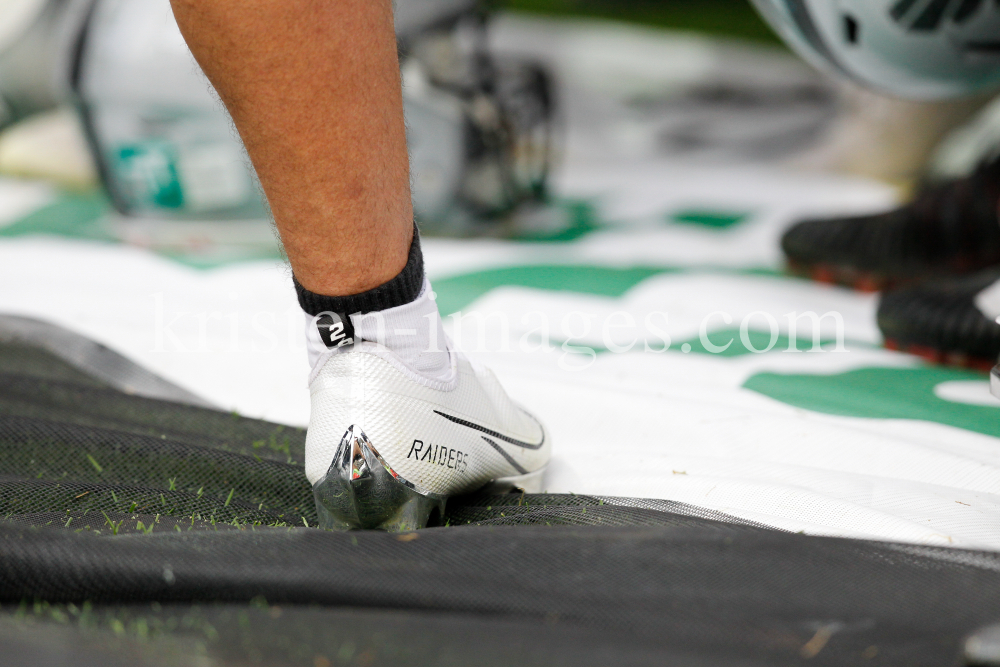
point(412, 332)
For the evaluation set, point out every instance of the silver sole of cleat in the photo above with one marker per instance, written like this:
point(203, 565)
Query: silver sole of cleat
point(361, 491)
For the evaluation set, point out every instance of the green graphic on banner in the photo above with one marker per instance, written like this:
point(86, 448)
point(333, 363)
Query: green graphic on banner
point(711, 219)
point(457, 292)
point(732, 343)
point(881, 393)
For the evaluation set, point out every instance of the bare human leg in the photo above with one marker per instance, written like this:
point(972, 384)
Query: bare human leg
point(313, 88)
point(398, 416)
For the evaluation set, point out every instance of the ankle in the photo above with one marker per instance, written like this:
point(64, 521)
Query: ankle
point(400, 290)
point(400, 315)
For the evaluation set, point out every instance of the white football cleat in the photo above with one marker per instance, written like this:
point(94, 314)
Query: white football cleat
point(387, 444)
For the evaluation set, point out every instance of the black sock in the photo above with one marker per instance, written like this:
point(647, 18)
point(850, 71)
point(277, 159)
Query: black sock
point(401, 290)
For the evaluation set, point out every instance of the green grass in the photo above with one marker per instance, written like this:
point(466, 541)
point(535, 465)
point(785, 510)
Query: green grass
point(732, 18)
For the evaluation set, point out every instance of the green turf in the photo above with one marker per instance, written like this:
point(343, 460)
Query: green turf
point(732, 18)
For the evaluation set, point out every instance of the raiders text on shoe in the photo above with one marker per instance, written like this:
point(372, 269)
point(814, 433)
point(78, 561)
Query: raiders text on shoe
point(387, 445)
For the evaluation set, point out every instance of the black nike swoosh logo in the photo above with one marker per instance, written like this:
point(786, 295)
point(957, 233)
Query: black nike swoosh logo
point(510, 459)
point(498, 436)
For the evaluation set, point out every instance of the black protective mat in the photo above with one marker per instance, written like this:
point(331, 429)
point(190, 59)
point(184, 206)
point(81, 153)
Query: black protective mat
point(140, 531)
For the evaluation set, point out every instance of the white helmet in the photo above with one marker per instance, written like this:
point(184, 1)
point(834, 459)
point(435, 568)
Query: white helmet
point(921, 49)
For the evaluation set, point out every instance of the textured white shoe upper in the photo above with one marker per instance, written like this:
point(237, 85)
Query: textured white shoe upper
point(443, 441)
point(441, 422)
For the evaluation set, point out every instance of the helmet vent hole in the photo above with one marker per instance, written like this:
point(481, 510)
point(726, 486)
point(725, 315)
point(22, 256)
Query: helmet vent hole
point(851, 29)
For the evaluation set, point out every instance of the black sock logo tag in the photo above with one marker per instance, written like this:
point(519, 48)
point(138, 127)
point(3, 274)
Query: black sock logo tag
point(335, 329)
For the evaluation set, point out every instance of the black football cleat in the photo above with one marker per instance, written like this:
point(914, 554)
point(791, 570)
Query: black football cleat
point(939, 320)
point(948, 229)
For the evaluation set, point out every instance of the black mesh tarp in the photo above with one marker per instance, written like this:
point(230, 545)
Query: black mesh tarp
point(138, 531)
